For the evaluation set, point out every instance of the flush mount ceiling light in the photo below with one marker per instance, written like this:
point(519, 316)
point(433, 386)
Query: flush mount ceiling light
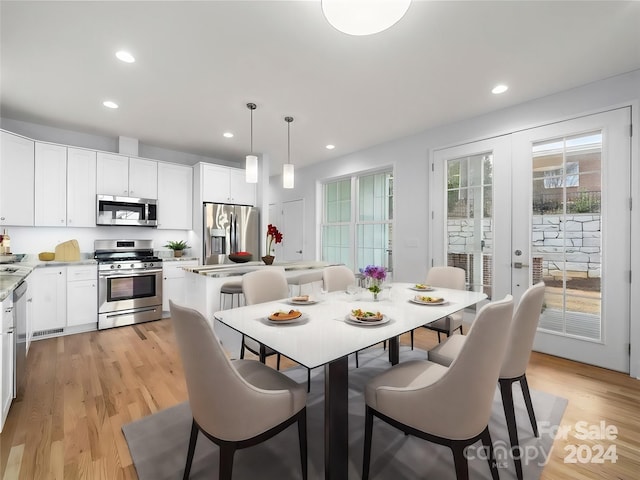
point(363, 17)
point(498, 89)
point(125, 56)
point(330, 147)
point(251, 165)
point(227, 135)
point(110, 104)
point(287, 168)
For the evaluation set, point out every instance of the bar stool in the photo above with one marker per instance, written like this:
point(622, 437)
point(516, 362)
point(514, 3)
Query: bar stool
point(233, 288)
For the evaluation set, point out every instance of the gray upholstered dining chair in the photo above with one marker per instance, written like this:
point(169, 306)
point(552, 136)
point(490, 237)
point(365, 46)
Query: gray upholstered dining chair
point(337, 277)
point(521, 336)
point(449, 406)
point(262, 286)
point(445, 277)
point(235, 404)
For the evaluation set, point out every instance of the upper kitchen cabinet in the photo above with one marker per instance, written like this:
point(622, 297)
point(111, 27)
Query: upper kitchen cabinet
point(126, 177)
point(65, 186)
point(81, 187)
point(16, 180)
point(50, 185)
point(226, 185)
point(175, 197)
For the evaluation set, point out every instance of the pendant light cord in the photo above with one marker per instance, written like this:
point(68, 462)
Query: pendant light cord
point(288, 120)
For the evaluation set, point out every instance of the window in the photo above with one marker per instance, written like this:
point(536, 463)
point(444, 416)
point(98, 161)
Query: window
point(357, 220)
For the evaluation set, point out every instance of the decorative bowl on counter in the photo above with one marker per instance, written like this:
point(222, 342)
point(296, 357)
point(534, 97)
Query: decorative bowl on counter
point(240, 257)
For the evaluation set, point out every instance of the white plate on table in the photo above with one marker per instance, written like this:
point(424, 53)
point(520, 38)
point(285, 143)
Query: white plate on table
point(428, 288)
point(293, 301)
point(301, 318)
point(367, 323)
point(422, 302)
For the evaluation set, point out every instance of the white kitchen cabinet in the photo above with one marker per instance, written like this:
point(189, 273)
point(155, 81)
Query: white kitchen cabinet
point(81, 187)
point(226, 185)
point(49, 295)
point(175, 196)
point(82, 295)
point(65, 186)
point(173, 283)
point(143, 178)
point(50, 185)
point(6, 360)
point(126, 176)
point(16, 180)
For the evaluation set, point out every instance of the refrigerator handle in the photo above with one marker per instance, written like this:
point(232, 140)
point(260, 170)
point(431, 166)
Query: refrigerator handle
point(232, 233)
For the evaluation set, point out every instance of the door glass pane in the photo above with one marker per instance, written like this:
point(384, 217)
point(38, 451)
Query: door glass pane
point(470, 218)
point(566, 233)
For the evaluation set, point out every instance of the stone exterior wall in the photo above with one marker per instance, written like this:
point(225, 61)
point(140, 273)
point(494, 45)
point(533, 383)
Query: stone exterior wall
point(577, 235)
point(581, 255)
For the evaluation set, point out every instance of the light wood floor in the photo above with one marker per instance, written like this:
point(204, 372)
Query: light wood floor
point(82, 388)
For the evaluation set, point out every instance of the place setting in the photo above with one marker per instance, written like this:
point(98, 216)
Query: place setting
point(366, 318)
point(286, 317)
point(421, 287)
point(303, 300)
point(428, 300)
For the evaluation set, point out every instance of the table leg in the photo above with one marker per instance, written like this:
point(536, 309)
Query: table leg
point(394, 350)
point(336, 419)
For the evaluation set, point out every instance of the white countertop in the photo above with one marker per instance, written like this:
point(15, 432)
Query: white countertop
point(237, 269)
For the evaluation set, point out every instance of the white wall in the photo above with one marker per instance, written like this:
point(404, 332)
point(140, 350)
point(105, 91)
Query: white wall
point(411, 156)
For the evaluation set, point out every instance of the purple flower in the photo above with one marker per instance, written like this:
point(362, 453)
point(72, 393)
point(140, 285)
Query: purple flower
point(375, 272)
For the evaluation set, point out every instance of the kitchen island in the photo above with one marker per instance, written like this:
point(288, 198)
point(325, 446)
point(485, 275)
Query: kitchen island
point(202, 290)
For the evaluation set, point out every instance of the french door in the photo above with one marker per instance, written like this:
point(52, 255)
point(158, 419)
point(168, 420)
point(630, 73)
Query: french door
point(559, 213)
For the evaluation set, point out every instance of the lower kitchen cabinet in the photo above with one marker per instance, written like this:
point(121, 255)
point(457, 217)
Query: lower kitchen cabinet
point(82, 295)
point(49, 305)
point(173, 281)
point(6, 360)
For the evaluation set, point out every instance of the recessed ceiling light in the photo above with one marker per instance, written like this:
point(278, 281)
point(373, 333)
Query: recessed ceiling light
point(110, 104)
point(330, 147)
point(227, 135)
point(125, 56)
point(499, 89)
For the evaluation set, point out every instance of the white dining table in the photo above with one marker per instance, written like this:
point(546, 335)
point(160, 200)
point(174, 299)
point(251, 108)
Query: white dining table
point(325, 336)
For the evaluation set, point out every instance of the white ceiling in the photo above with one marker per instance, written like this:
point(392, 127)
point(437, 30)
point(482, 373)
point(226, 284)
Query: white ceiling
point(199, 63)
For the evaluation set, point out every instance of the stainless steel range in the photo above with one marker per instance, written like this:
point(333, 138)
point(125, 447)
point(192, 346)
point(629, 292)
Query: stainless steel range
point(129, 282)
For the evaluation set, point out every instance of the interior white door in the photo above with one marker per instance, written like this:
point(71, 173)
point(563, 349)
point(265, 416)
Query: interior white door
point(293, 230)
point(572, 229)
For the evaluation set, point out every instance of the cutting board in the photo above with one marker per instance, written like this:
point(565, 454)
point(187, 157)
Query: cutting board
point(68, 251)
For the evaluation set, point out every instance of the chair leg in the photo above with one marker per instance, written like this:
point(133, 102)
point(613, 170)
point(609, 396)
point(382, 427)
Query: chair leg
point(368, 431)
point(439, 337)
point(527, 400)
point(226, 461)
point(357, 362)
point(192, 448)
point(509, 412)
point(302, 438)
point(485, 436)
point(308, 380)
point(278, 362)
point(460, 462)
point(242, 348)
point(412, 339)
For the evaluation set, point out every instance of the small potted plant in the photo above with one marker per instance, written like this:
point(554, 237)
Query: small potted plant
point(177, 247)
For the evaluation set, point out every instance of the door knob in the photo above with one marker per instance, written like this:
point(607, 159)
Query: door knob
point(299, 251)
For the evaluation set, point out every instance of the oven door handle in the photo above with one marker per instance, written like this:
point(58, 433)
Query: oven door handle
point(127, 273)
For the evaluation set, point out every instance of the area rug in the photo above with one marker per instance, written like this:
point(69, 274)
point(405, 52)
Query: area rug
point(158, 443)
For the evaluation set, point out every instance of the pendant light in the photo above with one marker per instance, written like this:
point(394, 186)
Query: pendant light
point(287, 168)
point(251, 165)
point(363, 17)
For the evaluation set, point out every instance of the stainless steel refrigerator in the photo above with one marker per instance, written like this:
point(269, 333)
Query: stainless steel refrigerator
point(229, 229)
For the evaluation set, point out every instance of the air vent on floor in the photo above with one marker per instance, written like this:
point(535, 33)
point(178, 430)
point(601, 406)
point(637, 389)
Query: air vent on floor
point(42, 333)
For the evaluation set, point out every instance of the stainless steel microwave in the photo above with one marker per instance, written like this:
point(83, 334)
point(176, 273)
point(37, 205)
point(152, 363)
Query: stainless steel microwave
point(126, 211)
